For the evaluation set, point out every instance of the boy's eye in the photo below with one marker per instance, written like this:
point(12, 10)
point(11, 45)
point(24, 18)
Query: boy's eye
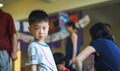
point(36, 28)
point(44, 28)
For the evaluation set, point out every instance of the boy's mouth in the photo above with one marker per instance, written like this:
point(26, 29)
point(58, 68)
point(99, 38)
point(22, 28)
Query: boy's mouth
point(41, 36)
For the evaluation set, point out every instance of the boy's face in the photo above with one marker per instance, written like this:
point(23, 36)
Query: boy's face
point(39, 30)
point(60, 67)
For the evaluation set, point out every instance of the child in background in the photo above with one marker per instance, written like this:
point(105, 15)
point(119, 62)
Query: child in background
point(40, 55)
point(60, 62)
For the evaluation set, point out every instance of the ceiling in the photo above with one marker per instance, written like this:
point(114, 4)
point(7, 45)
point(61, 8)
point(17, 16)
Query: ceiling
point(20, 9)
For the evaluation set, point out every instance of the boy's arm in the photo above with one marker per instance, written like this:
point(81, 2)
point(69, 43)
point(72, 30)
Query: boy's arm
point(14, 47)
point(33, 58)
point(34, 67)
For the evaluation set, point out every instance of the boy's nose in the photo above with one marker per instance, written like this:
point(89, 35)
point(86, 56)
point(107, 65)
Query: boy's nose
point(41, 31)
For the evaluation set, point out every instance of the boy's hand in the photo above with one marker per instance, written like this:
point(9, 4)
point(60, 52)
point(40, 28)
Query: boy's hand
point(14, 56)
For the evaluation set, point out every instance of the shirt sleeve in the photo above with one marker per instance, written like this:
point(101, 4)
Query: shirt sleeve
point(99, 45)
point(32, 53)
point(10, 20)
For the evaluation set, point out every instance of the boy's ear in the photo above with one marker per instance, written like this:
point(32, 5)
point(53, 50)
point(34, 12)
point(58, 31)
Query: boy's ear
point(48, 27)
point(29, 29)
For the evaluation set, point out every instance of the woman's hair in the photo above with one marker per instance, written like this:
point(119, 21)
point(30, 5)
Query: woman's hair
point(99, 30)
point(107, 25)
point(70, 23)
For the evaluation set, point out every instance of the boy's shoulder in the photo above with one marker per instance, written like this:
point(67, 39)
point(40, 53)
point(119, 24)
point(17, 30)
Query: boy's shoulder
point(37, 43)
point(32, 44)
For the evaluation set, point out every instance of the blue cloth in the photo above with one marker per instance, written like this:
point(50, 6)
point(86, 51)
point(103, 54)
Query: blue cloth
point(4, 61)
point(69, 49)
point(109, 55)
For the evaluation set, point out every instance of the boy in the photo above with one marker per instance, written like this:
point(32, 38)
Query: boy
point(60, 61)
point(40, 55)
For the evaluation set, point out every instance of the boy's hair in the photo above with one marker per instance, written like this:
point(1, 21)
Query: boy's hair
point(37, 16)
point(59, 58)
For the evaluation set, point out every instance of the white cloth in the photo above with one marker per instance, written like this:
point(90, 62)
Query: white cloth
point(41, 55)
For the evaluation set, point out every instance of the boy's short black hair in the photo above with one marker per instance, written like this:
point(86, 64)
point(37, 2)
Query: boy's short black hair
point(37, 16)
point(58, 57)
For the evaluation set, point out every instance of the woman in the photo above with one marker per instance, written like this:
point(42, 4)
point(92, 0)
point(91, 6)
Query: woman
point(72, 45)
point(106, 52)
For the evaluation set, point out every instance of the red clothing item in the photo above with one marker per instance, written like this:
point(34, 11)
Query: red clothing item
point(67, 69)
point(7, 29)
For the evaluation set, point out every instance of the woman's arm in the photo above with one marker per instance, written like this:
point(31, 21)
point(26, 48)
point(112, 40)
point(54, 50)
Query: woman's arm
point(82, 56)
point(74, 41)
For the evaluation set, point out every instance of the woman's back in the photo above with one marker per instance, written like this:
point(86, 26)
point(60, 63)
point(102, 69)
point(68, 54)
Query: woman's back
point(109, 55)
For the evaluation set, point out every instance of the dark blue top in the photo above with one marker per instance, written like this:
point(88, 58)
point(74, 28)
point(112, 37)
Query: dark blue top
point(109, 55)
point(69, 49)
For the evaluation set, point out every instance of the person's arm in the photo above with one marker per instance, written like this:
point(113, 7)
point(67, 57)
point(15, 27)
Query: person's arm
point(33, 56)
point(34, 67)
point(82, 56)
point(74, 41)
point(13, 36)
point(14, 47)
